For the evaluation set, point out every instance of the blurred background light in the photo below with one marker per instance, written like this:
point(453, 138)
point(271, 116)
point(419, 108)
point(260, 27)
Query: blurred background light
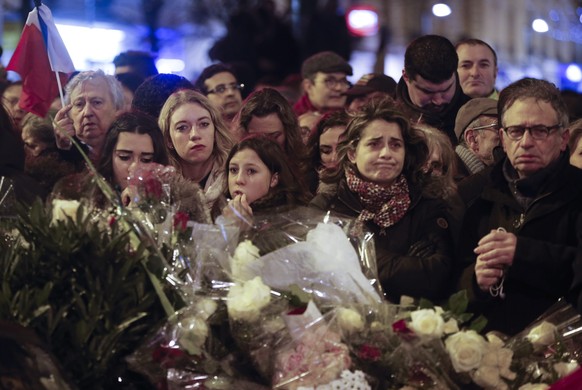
point(574, 73)
point(91, 47)
point(170, 65)
point(441, 10)
point(540, 25)
point(362, 20)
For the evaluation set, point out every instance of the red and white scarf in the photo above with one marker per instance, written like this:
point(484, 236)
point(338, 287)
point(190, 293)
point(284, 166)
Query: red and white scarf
point(383, 205)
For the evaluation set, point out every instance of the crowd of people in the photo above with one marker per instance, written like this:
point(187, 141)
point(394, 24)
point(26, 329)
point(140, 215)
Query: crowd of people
point(463, 186)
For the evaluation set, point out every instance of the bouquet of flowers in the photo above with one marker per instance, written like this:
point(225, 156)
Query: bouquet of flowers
point(255, 302)
point(548, 349)
point(313, 356)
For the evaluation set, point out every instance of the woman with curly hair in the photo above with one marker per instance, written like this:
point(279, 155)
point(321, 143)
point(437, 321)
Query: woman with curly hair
point(380, 180)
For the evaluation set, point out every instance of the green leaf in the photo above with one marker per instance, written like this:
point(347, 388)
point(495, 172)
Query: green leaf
point(424, 303)
point(478, 324)
point(459, 302)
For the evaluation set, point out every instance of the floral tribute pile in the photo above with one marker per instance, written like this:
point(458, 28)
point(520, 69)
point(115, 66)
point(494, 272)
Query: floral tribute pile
point(125, 299)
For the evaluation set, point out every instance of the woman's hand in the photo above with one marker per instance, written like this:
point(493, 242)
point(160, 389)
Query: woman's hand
point(129, 196)
point(238, 210)
point(63, 127)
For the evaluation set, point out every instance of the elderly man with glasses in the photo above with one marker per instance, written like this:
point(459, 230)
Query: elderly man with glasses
point(520, 236)
point(477, 129)
point(324, 83)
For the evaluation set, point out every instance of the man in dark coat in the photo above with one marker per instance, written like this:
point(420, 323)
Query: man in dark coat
point(520, 236)
point(429, 90)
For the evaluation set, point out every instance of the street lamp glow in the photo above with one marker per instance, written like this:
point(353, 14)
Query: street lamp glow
point(441, 10)
point(540, 25)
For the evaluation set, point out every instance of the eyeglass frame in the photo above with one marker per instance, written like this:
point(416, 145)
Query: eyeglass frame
point(225, 87)
point(547, 131)
point(334, 82)
point(486, 127)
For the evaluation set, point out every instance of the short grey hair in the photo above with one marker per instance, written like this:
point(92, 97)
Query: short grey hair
point(115, 87)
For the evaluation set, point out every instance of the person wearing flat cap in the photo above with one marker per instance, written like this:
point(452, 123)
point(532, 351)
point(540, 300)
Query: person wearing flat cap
point(477, 129)
point(324, 83)
point(368, 87)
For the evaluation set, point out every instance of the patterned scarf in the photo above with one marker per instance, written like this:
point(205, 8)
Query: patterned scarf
point(383, 205)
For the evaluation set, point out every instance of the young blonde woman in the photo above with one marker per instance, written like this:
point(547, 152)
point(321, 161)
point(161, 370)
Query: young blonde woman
point(197, 140)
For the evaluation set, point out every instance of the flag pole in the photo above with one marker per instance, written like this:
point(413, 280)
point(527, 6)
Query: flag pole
point(37, 4)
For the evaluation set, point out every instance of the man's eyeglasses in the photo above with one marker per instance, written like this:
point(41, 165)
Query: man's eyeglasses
point(538, 132)
point(332, 82)
point(492, 126)
point(222, 88)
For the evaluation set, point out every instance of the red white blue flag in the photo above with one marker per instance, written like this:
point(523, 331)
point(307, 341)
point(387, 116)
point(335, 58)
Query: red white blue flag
point(39, 57)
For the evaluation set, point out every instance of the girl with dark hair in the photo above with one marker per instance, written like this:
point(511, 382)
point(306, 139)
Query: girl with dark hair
point(133, 139)
point(381, 181)
point(260, 177)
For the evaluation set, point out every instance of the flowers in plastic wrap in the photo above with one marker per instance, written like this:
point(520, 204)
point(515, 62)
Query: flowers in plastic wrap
point(246, 299)
point(314, 357)
point(548, 349)
point(192, 350)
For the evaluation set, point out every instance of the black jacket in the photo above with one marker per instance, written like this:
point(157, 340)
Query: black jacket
point(548, 233)
point(403, 269)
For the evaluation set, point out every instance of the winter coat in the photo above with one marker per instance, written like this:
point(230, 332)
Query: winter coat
point(414, 256)
point(548, 233)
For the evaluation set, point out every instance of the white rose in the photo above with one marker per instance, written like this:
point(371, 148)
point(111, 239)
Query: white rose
point(563, 368)
point(349, 320)
point(466, 349)
point(426, 322)
point(377, 326)
point(206, 307)
point(490, 358)
point(534, 386)
point(543, 334)
point(504, 358)
point(494, 340)
point(451, 326)
point(488, 378)
point(192, 333)
point(244, 256)
point(245, 300)
point(63, 209)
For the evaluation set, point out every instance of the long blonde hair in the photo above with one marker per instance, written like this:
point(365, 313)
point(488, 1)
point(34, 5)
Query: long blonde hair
point(222, 139)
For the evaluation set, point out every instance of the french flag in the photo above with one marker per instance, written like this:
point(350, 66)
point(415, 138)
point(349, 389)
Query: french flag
point(39, 57)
